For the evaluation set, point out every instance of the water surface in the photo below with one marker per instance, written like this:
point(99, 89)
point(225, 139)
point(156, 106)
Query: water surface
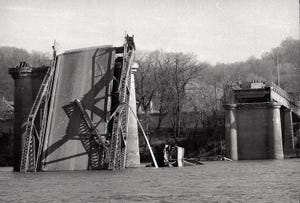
point(241, 181)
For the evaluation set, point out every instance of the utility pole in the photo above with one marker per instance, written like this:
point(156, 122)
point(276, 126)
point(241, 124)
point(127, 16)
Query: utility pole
point(278, 69)
point(276, 58)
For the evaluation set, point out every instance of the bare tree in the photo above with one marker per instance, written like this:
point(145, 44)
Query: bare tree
point(148, 81)
point(162, 78)
point(182, 69)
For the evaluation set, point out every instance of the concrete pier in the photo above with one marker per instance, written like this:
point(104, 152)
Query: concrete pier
point(259, 122)
point(133, 155)
point(231, 132)
point(288, 133)
point(27, 82)
point(275, 133)
point(253, 131)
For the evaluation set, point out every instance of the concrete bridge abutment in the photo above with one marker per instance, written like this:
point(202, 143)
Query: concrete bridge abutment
point(253, 131)
point(260, 120)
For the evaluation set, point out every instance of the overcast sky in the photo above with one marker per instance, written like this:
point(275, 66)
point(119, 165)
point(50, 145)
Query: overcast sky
point(215, 30)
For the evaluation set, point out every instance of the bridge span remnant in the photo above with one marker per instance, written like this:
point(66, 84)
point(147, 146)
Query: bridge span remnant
point(78, 113)
point(260, 122)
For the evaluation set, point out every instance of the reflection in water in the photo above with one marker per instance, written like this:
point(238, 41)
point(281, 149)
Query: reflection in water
point(242, 181)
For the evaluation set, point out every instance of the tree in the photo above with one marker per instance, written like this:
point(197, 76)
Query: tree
point(162, 78)
point(182, 69)
point(148, 81)
point(147, 78)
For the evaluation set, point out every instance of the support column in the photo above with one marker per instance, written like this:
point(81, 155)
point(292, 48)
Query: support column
point(133, 153)
point(275, 133)
point(231, 132)
point(297, 142)
point(27, 81)
point(288, 133)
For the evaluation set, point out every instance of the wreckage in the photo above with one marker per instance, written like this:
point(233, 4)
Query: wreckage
point(79, 118)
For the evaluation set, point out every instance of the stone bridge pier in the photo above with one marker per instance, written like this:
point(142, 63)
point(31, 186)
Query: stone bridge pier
point(27, 81)
point(258, 130)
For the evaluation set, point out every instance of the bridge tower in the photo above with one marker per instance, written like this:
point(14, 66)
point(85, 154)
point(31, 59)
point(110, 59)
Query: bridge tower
point(27, 81)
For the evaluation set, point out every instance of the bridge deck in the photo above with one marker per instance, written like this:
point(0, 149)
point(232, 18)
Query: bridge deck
point(268, 93)
point(85, 75)
point(281, 97)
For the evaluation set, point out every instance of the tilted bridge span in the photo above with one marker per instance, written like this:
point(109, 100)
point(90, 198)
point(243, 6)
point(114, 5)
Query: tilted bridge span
point(75, 114)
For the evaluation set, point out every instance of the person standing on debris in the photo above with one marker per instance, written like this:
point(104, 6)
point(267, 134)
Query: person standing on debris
point(166, 155)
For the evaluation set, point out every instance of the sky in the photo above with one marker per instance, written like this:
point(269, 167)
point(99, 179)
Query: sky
point(217, 31)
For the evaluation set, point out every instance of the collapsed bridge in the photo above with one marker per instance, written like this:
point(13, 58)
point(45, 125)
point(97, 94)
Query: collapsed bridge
point(79, 115)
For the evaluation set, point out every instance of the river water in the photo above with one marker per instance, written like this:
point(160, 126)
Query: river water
point(215, 181)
